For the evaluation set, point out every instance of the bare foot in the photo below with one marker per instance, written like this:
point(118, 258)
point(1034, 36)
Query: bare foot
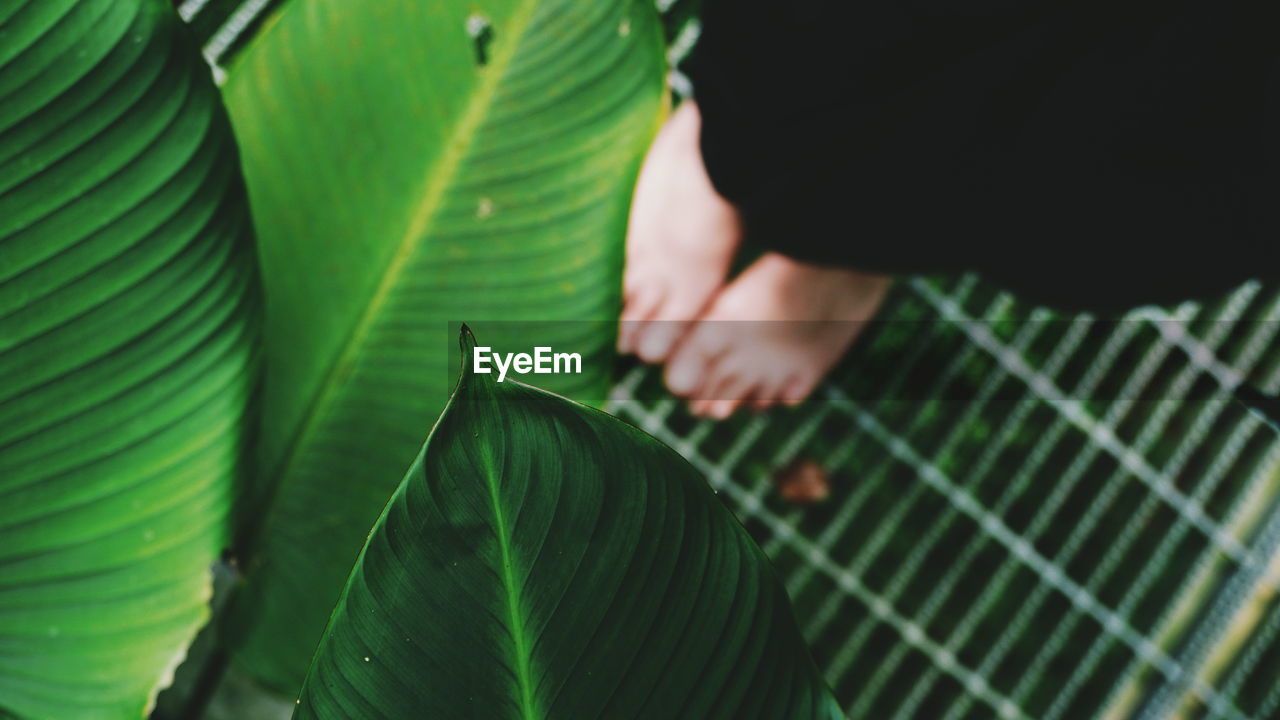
point(681, 238)
point(771, 335)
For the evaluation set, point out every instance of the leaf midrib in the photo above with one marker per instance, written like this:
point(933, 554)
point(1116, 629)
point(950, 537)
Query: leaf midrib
point(433, 190)
point(515, 621)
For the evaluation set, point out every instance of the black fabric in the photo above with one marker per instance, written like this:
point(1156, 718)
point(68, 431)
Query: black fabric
point(1085, 154)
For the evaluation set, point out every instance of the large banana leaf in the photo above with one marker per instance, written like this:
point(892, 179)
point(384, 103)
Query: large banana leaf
point(413, 162)
point(542, 559)
point(128, 306)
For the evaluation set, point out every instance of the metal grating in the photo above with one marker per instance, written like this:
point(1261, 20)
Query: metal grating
point(1032, 516)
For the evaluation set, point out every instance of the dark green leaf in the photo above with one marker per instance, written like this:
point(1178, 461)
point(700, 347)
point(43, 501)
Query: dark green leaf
point(543, 559)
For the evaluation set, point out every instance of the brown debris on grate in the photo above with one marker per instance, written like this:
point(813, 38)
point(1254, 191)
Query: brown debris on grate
point(802, 482)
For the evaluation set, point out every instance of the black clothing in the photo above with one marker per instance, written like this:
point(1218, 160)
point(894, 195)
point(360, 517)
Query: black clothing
point(1085, 154)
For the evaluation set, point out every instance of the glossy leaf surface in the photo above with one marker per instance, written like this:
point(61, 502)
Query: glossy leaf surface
point(413, 163)
point(542, 559)
point(128, 344)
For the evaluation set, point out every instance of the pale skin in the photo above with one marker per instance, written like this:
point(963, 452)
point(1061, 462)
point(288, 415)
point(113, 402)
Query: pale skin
point(681, 310)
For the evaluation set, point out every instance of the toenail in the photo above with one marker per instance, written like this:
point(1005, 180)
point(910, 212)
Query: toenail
point(680, 378)
point(648, 350)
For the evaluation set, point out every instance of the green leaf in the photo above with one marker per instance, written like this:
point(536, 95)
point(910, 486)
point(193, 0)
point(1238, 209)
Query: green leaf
point(128, 336)
point(543, 559)
point(412, 163)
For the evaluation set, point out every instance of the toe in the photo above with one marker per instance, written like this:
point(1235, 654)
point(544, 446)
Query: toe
point(765, 397)
point(688, 369)
point(719, 409)
point(673, 317)
point(639, 306)
point(727, 392)
point(659, 337)
point(796, 390)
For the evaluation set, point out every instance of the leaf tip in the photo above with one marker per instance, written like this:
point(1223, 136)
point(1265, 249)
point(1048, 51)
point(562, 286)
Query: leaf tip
point(469, 377)
point(467, 341)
